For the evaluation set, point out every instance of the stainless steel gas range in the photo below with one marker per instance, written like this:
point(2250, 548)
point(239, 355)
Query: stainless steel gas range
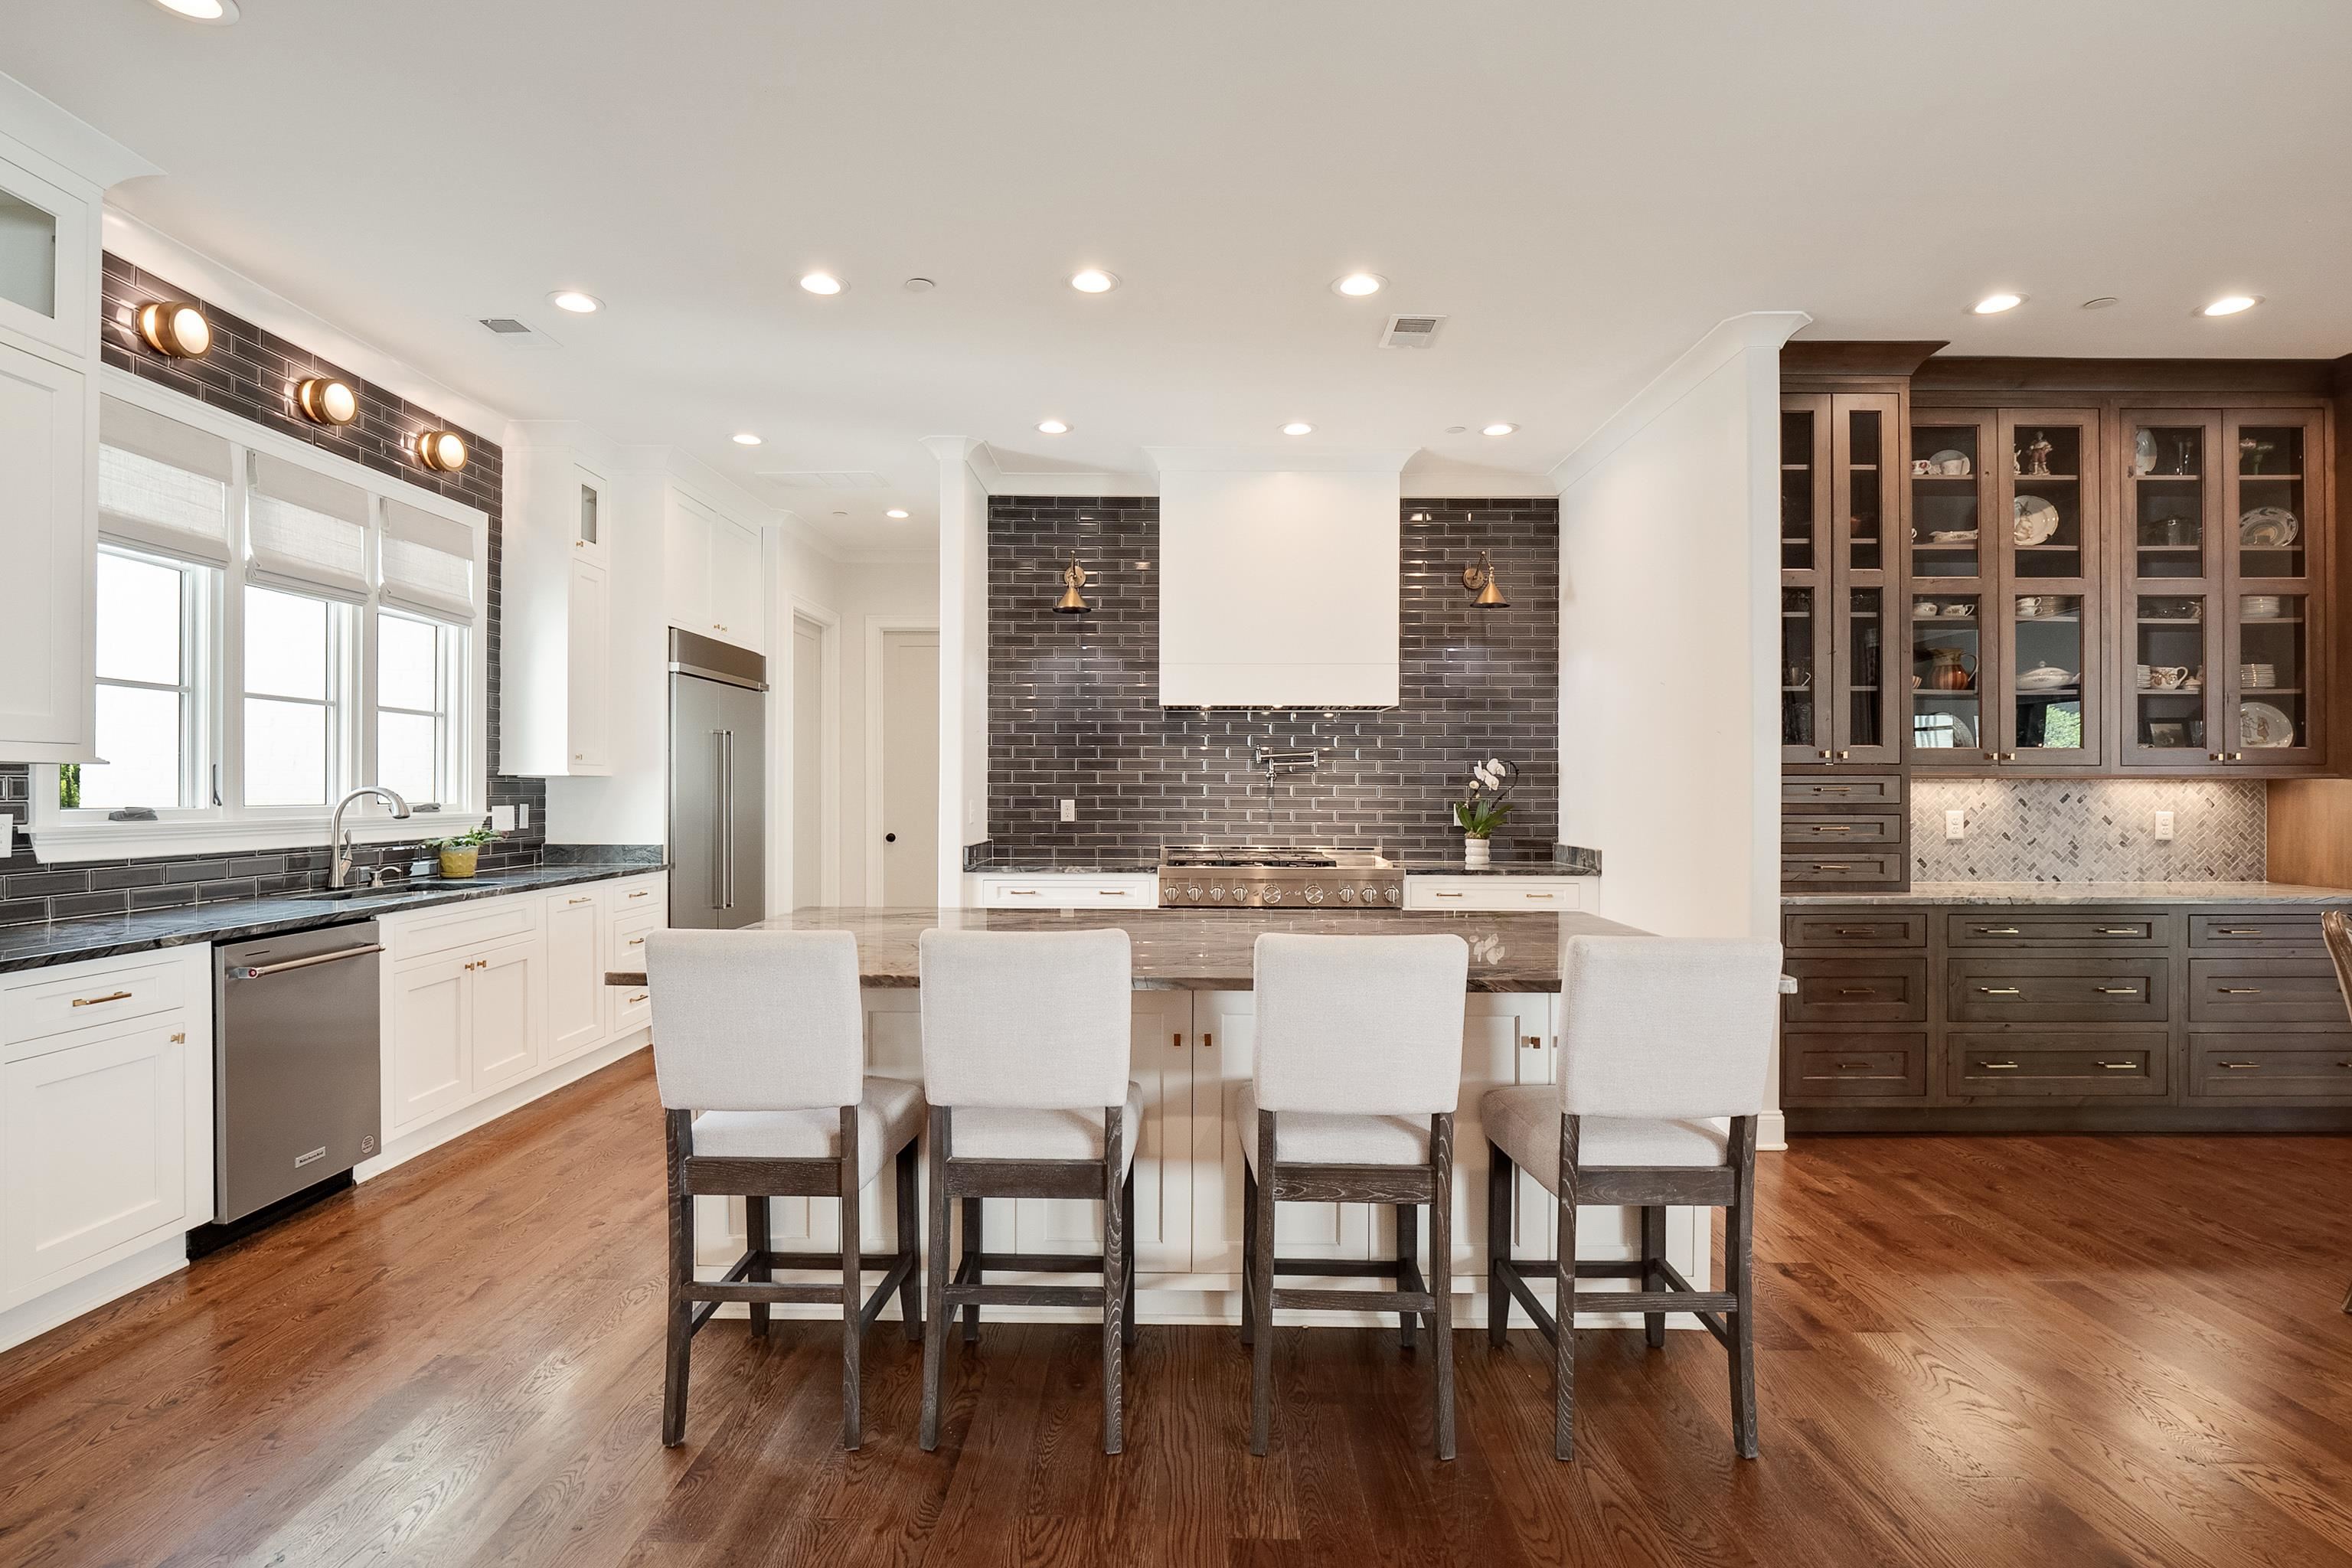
point(1250, 875)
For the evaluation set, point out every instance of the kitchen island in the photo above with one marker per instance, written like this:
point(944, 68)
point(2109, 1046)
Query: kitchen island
point(1193, 1050)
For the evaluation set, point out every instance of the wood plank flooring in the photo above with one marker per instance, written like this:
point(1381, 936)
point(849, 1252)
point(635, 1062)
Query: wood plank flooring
point(1972, 1352)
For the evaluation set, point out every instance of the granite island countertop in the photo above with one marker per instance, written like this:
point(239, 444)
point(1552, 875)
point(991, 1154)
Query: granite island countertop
point(1584, 863)
point(2000, 893)
point(235, 920)
point(1191, 950)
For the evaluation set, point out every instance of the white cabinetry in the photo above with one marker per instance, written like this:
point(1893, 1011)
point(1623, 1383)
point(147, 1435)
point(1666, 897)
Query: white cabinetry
point(575, 972)
point(713, 577)
point(557, 626)
point(1067, 891)
point(1535, 895)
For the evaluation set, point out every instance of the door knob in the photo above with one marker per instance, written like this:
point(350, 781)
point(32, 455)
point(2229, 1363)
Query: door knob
point(889, 838)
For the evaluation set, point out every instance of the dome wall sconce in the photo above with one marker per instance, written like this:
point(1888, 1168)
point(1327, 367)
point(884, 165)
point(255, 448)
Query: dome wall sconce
point(176, 327)
point(1480, 581)
point(326, 401)
point(443, 452)
point(1073, 577)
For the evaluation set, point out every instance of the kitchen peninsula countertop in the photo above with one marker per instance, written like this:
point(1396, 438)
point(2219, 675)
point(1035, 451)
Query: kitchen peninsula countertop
point(1187, 949)
point(1994, 893)
point(1412, 866)
point(235, 920)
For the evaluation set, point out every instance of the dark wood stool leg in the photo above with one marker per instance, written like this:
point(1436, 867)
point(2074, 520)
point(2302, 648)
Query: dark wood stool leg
point(1261, 1281)
point(972, 1236)
point(910, 1243)
point(1407, 1223)
point(852, 1279)
point(1126, 1210)
point(1499, 1245)
point(1563, 1350)
point(1653, 1277)
point(1114, 1302)
point(755, 1239)
point(1740, 1269)
point(1249, 1248)
point(1441, 1273)
point(935, 1321)
point(678, 1137)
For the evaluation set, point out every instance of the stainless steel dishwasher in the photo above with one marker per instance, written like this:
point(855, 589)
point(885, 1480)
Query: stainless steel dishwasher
point(299, 1080)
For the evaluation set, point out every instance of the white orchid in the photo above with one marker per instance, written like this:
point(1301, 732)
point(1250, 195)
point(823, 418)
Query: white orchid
point(1484, 811)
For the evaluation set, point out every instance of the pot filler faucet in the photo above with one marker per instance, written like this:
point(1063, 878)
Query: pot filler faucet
point(339, 840)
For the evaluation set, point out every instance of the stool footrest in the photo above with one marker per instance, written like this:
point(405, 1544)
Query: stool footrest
point(1357, 1301)
point(1300, 1182)
point(1023, 1295)
point(1033, 1262)
point(767, 1295)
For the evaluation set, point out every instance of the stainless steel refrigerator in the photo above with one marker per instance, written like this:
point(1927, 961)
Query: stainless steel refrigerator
point(718, 782)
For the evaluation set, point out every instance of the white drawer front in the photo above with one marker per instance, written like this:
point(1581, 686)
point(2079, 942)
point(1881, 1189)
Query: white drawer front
point(634, 893)
point(53, 1000)
point(1061, 892)
point(1538, 894)
point(468, 925)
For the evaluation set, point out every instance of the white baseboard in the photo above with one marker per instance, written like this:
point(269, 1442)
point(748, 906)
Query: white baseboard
point(30, 1319)
point(1772, 1130)
point(457, 1123)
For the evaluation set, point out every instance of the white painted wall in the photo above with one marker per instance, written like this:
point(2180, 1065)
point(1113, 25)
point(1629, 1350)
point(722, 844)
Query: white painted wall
point(962, 609)
point(1669, 595)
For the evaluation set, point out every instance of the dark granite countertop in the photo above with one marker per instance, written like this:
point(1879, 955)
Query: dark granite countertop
point(1186, 950)
point(104, 936)
point(1583, 863)
point(1518, 865)
point(2005, 894)
point(1076, 864)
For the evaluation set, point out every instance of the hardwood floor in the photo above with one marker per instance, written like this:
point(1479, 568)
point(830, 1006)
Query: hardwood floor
point(1972, 1352)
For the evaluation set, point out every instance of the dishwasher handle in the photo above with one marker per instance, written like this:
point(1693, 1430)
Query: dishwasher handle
point(317, 958)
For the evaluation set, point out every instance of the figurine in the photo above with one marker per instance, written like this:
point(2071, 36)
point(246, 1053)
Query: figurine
point(2040, 453)
point(2255, 453)
point(2016, 463)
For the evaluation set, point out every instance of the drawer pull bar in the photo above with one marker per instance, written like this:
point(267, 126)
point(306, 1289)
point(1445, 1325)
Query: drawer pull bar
point(2118, 990)
point(1999, 930)
point(94, 1001)
point(2235, 931)
point(1853, 931)
point(1446, 895)
point(2240, 990)
point(1853, 1067)
point(1020, 892)
point(2119, 931)
point(1833, 789)
point(2241, 1066)
point(2121, 1067)
point(1997, 1067)
point(1999, 990)
point(640, 996)
point(1539, 895)
point(642, 892)
point(1110, 892)
point(1830, 828)
point(1857, 991)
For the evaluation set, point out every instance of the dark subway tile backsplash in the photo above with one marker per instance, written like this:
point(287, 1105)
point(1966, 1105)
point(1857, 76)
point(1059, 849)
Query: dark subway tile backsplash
point(1074, 701)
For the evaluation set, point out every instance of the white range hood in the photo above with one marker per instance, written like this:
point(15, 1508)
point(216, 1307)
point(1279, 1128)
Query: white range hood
point(1278, 578)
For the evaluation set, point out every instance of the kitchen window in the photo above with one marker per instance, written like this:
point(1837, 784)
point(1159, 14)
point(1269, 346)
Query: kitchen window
point(154, 729)
point(420, 678)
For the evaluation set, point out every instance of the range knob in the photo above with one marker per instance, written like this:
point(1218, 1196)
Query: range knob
point(1347, 895)
point(1274, 895)
point(1169, 892)
point(1392, 892)
point(1217, 892)
point(1193, 893)
point(1314, 893)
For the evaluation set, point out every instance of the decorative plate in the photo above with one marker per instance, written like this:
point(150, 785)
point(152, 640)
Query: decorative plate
point(2268, 528)
point(2259, 724)
point(2044, 676)
point(2036, 520)
point(1953, 536)
point(1951, 455)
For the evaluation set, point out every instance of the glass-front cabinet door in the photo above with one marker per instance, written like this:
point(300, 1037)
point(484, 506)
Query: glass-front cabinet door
point(1806, 662)
point(1948, 677)
point(2046, 551)
point(2271, 502)
point(2172, 557)
point(1951, 665)
point(1866, 510)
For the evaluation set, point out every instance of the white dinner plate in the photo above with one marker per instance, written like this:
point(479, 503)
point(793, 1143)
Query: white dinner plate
point(2268, 528)
point(2036, 520)
point(2259, 724)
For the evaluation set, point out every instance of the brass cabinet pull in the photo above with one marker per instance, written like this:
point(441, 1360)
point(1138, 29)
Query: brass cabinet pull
point(1999, 990)
point(2241, 1066)
point(2119, 931)
point(2118, 990)
point(636, 942)
point(181, 1038)
point(1832, 827)
point(1020, 892)
point(1207, 1039)
point(570, 901)
point(1997, 1067)
point(1110, 892)
point(2240, 990)
point(1448, 895)
point(2121, 1067)
point(1833, 789)
point(1530, 1042)
point(94, 1001)
point(642, 893)
point(1176, 1042)
point(640, 996)
point(1542, 895)
point(1999, 930)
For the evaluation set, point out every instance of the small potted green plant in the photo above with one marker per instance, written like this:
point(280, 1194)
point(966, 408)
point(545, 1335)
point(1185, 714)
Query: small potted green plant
point(461, 854)
point(1486, 809)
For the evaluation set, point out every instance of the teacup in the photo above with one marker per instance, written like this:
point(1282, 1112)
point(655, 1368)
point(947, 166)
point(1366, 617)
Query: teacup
point(1957, 467)
point(1922, 469)
point(2162, 677)
point(1959, 612)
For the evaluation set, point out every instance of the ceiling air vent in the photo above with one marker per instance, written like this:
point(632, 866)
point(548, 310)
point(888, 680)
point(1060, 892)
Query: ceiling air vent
point(1411, 331)
point(516, 334)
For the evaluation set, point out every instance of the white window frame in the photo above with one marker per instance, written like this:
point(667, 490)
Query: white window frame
point(453, 662)
point(200, 758)
point(67, 837)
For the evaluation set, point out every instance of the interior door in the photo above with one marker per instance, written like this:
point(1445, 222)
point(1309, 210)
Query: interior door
point(909, 827)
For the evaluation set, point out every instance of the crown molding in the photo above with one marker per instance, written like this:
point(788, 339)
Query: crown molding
point(64, 139)
point(1726, 340)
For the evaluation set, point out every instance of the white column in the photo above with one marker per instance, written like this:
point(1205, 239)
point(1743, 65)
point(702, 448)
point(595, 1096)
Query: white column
point(963, 658)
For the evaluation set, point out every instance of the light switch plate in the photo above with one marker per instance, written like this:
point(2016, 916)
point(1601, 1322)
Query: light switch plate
point(1956, 824)
point(7, 836)
point(502, 819)
point(522, 815)
point(2164, 827)
point(1069, 811)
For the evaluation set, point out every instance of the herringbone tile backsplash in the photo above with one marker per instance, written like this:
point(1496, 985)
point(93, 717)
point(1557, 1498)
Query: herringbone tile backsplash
point(2089, 830)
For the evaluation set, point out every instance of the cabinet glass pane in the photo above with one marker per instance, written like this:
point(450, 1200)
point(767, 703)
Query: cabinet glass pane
point(587, 515)
point(1797, 671)
point(2168, 469)
point(2272, 528)
point(2168, 676)
point(1866, 519)
point(2046, 654)
point(1865, 615)
point(1947, 704)
point(28, 256)
point(2046, 526)
point(2271, 670)
point(1797, 479)
point(1946, 531)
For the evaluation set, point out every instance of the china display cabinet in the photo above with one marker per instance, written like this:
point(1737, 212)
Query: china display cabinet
point(1841, 533)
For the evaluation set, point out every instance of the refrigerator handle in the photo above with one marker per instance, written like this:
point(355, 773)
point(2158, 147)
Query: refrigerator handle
point(718, 826)
point(727, 815)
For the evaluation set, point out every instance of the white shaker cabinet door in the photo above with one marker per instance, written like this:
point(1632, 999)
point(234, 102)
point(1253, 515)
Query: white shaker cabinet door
point(588, 687)
point(47, 537)
point(503, 1014)
point(1167, 1060)
point(431, 1062)
point(575, 977)
point(1504, 1035)
point(96, 1149)
point(686, 566)
point(736, 602)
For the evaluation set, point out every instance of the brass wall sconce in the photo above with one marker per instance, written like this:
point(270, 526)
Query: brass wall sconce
point(1480, 581)
point(443, 452)
point(1073, 577)
point(176, 327)
point(325, 402)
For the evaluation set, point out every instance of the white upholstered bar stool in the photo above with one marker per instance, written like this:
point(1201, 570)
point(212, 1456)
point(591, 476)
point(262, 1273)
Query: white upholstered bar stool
point(1359, 1069)
point(1659, 1038)
point(1025, 1059)
point(759, 1057)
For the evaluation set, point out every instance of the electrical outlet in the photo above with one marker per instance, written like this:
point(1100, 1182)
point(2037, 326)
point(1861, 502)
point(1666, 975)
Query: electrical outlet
point(2164, 827)
point(1069, 811)
point(502, 819)
point(1956, 824)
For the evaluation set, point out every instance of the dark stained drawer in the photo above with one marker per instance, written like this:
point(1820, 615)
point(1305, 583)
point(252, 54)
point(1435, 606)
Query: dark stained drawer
point(2264, 991)
point(2220, 1067)
point(2056, 990)
point(2254, 932)
point(1837, 829)
point(2027, 929)
point(2025, 1066)
point(1816, 1069)
point(1857, 991)
point(1835, 868)
point(1906, 928)
point(1841, 791)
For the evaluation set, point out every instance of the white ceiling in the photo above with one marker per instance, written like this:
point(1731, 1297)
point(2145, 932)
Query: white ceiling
point(1583, 189)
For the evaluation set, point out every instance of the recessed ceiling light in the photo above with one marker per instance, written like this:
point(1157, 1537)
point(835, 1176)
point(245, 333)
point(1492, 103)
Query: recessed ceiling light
point(2231, 304)
point(2101, 303)
point(218, 12)
point(576, 303)
point(1498, 429)
point(1359, 284)
point(1298, 428)
point(822, 283)
point(1094, 280)
point(1457, 429)
point(1053, 427)
point(745, 438)
point(1994, 304)
point(918, 285)
point(896, 511)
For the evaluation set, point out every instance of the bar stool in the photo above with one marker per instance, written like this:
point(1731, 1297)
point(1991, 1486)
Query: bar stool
point(1359, 1068)
point(1025, 1057)
point(1659, 1036)
point(760, 1058)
